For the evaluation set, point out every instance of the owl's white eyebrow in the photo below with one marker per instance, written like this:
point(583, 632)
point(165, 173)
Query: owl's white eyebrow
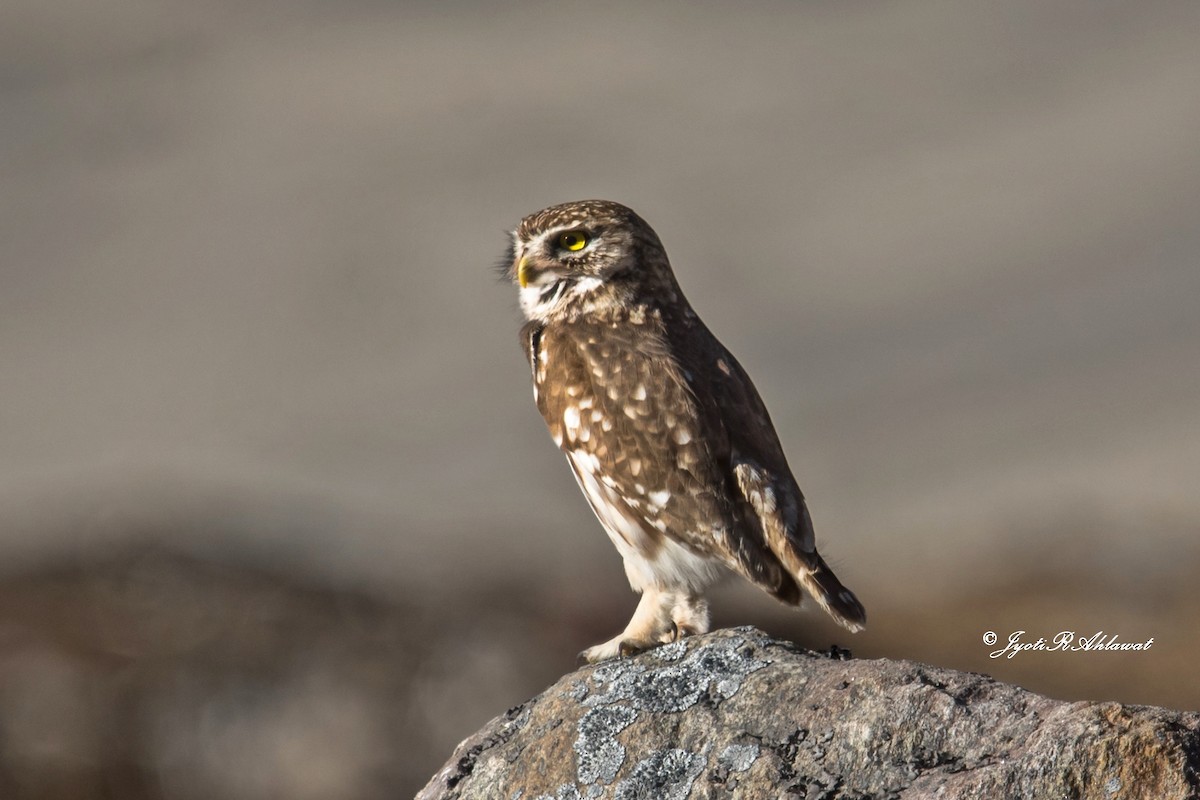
point(549, 233)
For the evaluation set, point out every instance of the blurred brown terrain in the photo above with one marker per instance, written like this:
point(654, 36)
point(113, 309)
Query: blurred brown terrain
point(277, 516)
point(149, 674)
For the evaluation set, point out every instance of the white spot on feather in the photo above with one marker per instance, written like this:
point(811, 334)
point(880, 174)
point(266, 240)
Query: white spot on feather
point(571, 421)
point(682, 436)
point(585, 460)
point(659, 498)
point(768, 500)
point(640, 392)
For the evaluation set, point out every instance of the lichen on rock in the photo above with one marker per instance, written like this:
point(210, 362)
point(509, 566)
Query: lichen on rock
point(598, 753)
point(663, 775)
point(714, 670)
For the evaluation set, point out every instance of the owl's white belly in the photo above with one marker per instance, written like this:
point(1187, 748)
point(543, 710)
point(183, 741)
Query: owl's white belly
point(659, 562)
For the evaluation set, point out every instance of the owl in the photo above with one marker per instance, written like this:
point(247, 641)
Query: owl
point(666, 435)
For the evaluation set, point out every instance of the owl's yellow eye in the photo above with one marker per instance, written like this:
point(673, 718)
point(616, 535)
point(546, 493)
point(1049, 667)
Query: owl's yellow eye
point(573, 241)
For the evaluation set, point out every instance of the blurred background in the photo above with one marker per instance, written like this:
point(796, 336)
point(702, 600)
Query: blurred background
point(278, 517)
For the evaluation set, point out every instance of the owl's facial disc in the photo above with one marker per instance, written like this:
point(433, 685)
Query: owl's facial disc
point(561, 265)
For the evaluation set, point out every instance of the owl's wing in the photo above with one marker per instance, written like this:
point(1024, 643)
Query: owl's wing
point(756, 461)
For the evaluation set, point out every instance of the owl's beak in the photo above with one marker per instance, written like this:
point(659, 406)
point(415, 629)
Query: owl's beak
point(531, 272)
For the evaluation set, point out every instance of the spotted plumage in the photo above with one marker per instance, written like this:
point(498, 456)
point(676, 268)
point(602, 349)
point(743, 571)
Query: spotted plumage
point(667, 437)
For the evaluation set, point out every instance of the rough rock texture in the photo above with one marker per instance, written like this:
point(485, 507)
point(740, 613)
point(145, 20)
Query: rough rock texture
point(737, 714)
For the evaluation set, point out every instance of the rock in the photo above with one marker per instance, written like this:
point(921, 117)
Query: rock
point(736, 714)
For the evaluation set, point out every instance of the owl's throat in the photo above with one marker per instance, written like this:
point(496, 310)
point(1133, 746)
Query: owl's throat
point(554, 298)
point(540, 300)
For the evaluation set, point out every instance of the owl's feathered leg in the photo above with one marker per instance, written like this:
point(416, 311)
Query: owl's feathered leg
point(650, 626)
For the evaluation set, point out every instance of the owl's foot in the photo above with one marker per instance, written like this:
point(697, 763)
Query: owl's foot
point(660, 618)
point(601, 652)
point(618, 647)
point(633, 640)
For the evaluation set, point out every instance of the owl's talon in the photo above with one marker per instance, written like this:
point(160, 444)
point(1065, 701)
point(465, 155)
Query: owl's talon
point(628, 648)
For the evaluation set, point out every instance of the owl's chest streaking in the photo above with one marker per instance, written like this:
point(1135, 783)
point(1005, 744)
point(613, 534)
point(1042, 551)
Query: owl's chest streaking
point(621, 404)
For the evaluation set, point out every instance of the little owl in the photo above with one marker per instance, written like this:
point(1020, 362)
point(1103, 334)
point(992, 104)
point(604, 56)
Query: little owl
point(666, 435)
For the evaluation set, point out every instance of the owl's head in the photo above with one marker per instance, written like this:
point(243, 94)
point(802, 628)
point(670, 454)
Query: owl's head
point(581, 255)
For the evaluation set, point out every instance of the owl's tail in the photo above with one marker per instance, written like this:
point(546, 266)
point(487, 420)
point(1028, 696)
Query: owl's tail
point(816, 578)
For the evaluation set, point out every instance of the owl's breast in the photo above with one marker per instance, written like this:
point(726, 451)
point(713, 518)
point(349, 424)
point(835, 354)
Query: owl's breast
point(619, 404)
point(598, 381)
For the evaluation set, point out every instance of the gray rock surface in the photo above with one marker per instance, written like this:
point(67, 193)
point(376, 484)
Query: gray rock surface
point(735, 713)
